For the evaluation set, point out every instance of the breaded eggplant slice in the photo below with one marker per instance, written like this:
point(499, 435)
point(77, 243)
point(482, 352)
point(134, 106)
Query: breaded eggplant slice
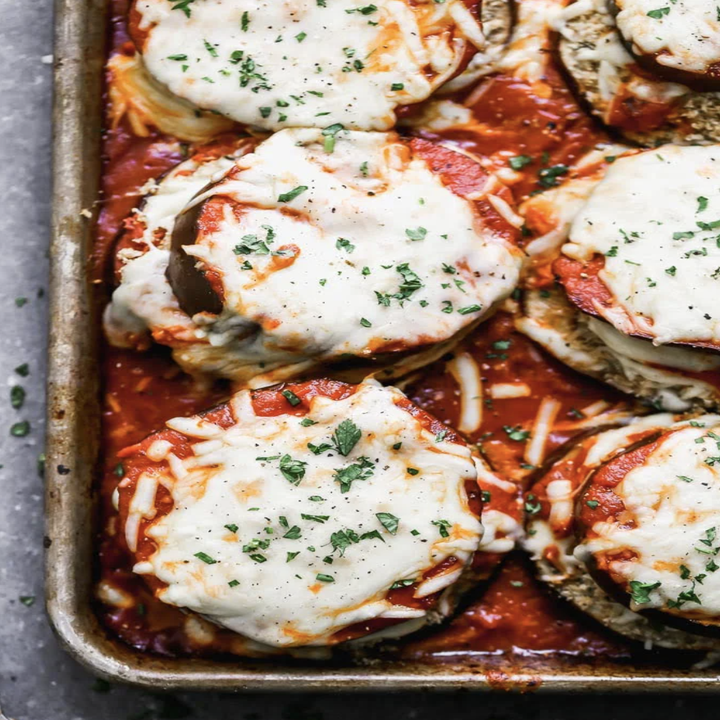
point(309, 514)
point(670, 378)
point(647, 526)
point(551, 528)
point(648, 111)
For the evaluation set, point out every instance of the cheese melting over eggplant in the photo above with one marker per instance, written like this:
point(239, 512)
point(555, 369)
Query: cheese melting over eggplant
point(144, 299)
point(301, 63)
point(673, 497)
point(656, 219)
point(358, 251)
point(552, 539)
point(684, 34)
point(267, 539)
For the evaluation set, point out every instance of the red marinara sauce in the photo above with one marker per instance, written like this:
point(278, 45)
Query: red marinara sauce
point(141, 390)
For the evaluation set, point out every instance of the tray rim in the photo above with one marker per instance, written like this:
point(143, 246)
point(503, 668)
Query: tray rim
point(80, 27)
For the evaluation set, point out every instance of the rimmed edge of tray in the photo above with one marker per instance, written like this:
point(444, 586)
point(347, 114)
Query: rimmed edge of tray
point(73, 445)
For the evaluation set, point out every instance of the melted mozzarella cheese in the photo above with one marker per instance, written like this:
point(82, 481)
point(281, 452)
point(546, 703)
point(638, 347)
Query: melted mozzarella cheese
point(673, 498)
point(528, 53)
point(655, 219)
point(501, 530)
point(133, 94)
point(375, 253)
point(553, 539)
point(297, 63)
point(685, 34)
point(248, 546)
point(466, 373)
point(144, 298)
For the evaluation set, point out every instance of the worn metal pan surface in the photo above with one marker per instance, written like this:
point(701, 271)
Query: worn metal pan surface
point(73, 446)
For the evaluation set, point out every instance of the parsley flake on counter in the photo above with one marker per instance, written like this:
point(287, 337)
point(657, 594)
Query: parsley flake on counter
point(20, 429)
point(17, 396)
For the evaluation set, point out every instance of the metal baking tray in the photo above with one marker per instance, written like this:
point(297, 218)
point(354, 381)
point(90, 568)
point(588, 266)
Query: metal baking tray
point(73, 447)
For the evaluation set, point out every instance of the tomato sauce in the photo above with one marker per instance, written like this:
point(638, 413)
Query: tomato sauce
point(512, 614)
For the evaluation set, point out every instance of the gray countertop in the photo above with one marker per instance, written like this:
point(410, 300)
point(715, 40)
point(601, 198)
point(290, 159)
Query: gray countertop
point(37, 680)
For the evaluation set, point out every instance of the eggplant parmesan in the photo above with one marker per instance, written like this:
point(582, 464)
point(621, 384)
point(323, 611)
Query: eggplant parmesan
point(623, 526)
point(647, 69)
point(635, 306)
point(304, 509)
point(276, 64)
point(255, 279)
point(306, 514)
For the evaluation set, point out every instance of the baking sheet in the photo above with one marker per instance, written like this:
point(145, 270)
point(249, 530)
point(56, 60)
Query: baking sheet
point(73, 447)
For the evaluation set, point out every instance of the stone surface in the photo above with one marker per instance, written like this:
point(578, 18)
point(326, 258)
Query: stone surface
point(37, 680)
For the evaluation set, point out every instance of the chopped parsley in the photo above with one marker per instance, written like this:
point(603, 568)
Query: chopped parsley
point(548, 177)
point(315, 518)
point(346, 436)
point(184, 6)
point(519, 161)
point(293, 470)
point(330, 135)
point(658, 13)
point(344, 244)
point(20, 429)
point(289, 196)
point(388, 521)
point(360, 470)
point(469, 309)
point(17, 396)
point(640, 592)
point(516, 433)
point(403, 583)
point(418, 233)
point(291, 397)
